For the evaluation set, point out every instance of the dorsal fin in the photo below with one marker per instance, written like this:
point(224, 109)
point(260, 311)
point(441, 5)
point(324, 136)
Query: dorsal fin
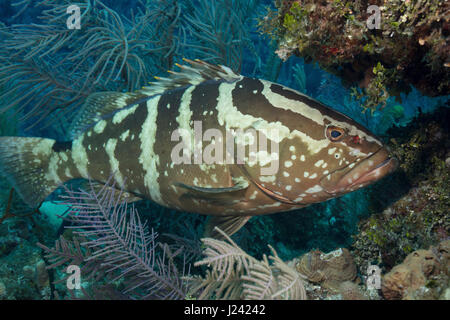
point(197, 72)
point(102, 104)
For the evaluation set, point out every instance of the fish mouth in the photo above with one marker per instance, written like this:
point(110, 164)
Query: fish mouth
point(360, 174)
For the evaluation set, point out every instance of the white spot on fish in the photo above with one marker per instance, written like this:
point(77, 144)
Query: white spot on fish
point(314, 189)
point(80, 157)
point(113, 162)
point(253, 196)
point(122, 114)
point(63, 156)
point(267, 178)
point(263, 157)
point(52, 173)
point(124, 135)
point(100, 126)
point(67, 173)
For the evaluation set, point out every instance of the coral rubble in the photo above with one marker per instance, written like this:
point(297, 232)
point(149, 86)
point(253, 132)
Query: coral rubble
point(419, 276)
point(329, 269)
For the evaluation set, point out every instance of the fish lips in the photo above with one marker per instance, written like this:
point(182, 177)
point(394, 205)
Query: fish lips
point(360, 174)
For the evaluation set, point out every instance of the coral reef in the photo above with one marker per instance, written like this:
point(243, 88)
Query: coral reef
point(22, 271)
point(419, 218)
point(351, 291)
point(422, 275)
point(382, 60)
point(330, 269)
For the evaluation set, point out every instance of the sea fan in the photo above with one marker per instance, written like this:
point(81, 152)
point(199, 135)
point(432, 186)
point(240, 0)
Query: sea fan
point(71, 252)
point(236, 275)
point(49, 69)
point(120, 244)
point(217, 31)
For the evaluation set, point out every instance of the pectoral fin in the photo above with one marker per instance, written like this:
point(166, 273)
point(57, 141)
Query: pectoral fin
point(218, 196)
point(228, 224)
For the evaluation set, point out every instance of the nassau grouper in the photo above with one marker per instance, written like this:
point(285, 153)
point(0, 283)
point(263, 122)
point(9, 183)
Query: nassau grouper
point(188, 142)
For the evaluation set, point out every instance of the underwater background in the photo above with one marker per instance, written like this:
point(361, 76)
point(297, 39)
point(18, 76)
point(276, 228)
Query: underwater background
point(393, 80)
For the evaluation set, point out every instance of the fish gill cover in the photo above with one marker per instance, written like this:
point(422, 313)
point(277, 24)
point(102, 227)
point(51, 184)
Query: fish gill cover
point(74, 85)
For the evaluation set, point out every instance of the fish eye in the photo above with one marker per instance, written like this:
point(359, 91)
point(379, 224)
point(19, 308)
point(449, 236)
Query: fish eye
point(335, 133)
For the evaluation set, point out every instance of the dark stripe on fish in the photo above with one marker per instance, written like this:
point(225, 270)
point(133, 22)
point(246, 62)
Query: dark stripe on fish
point(289, 94)
point(167, 124)
point(249, 99)
point(204, 98)
point(62, 146)
point(129, 166)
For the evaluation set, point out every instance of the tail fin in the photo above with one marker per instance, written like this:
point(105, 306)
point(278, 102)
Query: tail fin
point(29, 166)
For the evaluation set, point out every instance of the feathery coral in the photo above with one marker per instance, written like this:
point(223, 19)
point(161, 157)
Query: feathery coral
point(236, 275)
point(119, 243)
